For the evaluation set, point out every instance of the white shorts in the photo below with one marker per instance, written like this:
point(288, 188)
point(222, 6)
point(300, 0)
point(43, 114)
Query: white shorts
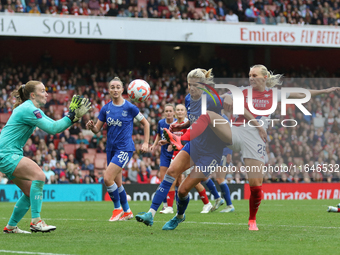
point(248, 141)
point(186, 172)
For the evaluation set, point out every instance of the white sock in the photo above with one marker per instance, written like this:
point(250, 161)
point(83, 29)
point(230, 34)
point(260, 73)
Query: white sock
point(10, 227)
point(129, 210)
point(153, 212)
point(36, 220)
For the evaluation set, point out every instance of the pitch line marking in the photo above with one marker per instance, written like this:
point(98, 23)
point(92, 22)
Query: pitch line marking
point(28, 252)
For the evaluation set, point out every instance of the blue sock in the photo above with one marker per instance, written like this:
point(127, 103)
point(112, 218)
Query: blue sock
point(212, 188)
point(176, 193)
point(182, 204)
point(162, 191)
point(225, 192)
point(123, 199)
point(114, 195)
point(165, 200)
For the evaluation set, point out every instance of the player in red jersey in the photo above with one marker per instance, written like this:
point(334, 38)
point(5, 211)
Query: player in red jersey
point(249, 140)
point(181, 114)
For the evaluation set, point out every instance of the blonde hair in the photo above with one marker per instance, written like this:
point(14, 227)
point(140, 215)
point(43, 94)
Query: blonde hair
point(272, 79)
point(23, 93)
point(116, 79)
point(181, 105)
point(202, 74)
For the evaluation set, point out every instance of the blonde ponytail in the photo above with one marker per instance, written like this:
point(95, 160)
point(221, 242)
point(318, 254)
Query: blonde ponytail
point(272, 79)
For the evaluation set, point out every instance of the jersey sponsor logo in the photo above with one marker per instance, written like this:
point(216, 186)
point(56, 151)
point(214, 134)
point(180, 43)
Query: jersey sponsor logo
point(37, 114)
point(107, 112)
point(113, 122)
point(266, 95)
point(124, 113)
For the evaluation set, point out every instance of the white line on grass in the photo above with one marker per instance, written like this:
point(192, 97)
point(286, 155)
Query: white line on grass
point(28, 252)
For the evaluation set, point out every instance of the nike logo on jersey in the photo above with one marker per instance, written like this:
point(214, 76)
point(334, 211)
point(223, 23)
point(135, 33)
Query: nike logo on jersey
point(107, 112)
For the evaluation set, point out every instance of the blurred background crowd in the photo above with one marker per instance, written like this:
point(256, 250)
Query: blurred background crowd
point(271, 12)
point(78, 156)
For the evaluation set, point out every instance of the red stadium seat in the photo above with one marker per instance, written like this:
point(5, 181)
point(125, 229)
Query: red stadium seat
point(89, 156)
point(99, 164)
point(101, 156)
point(92, 151)
point(56, 142)
point(70, 148)
point(4, 117)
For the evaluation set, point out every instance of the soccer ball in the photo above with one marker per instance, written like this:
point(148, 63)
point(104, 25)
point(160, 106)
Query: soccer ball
point(139, 90)
point(128, 197)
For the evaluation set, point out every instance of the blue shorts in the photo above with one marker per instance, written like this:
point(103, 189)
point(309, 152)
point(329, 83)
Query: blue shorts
point(8, 163)
point(165, 160)
point(118, 157)
point(203, 159)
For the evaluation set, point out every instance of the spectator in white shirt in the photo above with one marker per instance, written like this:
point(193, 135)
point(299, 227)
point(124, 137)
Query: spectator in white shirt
point(231, 17)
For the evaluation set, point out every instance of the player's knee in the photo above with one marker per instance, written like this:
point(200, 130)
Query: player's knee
point(172, 172)
point(255, 182)
point(40, 176)
point(219, 180)
point(182, 192)
point(107, 181)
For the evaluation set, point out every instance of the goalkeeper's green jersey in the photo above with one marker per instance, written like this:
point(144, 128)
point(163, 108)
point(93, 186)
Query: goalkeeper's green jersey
point(23, 121)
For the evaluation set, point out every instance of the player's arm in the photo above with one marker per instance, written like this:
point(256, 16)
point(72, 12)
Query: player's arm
point(94, 128)
point(50, 126)
point(155, 142)
point(313, 93)
point(145, 123)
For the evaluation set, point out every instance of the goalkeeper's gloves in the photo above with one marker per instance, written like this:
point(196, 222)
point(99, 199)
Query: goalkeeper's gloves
point(85, 106)
point(74, 105)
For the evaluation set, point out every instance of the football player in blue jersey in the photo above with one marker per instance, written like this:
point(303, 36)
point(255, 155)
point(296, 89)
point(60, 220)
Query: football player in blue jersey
point(23, 171)
point(204, 151)
point(166, 155)
point(119, 114)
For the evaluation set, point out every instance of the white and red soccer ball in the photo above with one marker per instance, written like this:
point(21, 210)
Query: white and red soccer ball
point(139, 91)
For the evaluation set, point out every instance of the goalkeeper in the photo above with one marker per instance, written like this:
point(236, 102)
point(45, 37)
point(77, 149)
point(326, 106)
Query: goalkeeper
point(24, 172)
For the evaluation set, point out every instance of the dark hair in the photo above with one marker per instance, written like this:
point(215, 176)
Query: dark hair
point(142, 176)
point(23, 93)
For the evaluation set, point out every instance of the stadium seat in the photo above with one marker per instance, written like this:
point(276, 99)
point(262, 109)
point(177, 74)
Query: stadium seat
point(89, 156)
point(92, 151)
point(99, 164)
point(56, 143)
point(88, 137)
point(70, 148)
point(4, 117)
point(101, 156)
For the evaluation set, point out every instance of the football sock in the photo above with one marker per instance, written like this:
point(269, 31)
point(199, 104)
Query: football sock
point(36, 198)
point(123, 199)
point(19, 211)
point(211, 186)
point(114, 195)
point(170, 198)
point(165, 201)
point(204, 197)
point(254, 201)
point(197, 128)
point(162, 191)
point(176, 193)
point(225, 192)
point(182, 205)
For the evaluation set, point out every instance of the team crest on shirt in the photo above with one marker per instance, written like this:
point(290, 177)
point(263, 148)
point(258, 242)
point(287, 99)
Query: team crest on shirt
point(266, 95)
point(37, 114)
point(124, 113)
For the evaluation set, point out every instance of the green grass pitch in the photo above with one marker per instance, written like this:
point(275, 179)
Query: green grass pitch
point(286, 227)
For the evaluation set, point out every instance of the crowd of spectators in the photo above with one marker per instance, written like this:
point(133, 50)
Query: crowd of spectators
point(270, 12)
point(314, 141)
